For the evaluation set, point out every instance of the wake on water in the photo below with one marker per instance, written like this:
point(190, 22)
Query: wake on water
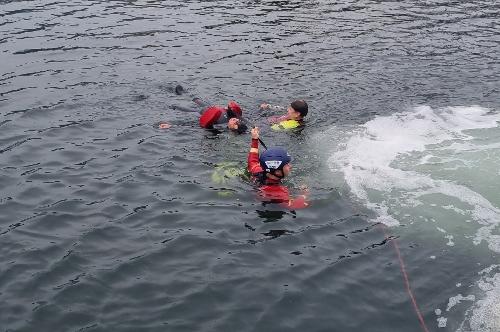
point(434, 165)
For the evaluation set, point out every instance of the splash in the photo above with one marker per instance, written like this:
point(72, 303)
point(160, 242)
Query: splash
point(439, 166)
point(404, 164)
point(484, 315)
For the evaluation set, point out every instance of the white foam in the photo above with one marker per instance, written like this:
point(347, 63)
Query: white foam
point(385, 137)
point(454, 300)
point(421, 166)
point(485, 233)
point(450, 240)
point(484, 315)
point(369, 159)
point(442, 322)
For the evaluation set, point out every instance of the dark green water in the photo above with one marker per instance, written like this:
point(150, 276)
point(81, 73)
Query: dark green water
point(108, 223)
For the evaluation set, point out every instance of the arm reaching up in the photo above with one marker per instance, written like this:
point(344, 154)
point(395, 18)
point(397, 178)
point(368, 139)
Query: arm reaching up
point(253, 155)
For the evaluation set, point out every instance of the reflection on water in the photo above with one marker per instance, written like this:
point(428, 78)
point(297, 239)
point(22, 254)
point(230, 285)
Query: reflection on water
point(271, 216)
point(109, 223)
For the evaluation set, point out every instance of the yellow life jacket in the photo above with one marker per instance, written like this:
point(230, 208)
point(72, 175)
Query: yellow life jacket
point(286, 125)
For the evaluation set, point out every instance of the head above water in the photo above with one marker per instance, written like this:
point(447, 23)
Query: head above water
point(298, 109)
point(275, 161)
point(234, 110)
point(237, 126)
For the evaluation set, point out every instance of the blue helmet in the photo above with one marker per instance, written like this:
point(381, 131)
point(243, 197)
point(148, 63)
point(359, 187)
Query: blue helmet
point(274, 159)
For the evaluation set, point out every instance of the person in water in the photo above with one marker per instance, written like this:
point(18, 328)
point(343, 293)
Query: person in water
point(294, 117)
point(268, 169)
point(212, 115)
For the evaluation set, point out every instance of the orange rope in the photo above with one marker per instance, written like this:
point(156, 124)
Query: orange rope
point(406, 280)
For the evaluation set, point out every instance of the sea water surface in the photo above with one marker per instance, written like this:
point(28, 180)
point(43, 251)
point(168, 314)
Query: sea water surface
point(108, 223)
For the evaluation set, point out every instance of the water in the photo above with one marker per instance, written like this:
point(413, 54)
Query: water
point(437, 168)
point(110, 224)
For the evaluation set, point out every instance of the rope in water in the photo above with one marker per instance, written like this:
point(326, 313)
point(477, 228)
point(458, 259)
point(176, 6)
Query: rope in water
point(179, 90)
point(406, 280)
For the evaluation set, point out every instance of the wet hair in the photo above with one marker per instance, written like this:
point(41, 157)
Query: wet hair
point(231, 114)
point(233, 109)
point(242, 128)
point(300, 106)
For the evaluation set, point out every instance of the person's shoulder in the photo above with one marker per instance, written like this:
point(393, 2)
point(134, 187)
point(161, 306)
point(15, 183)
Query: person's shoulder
point(210, 116)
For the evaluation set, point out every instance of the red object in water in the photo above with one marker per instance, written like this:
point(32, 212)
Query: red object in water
point(233, 106)
point(273, 191)
point(277, 193)
point(164, 125)
point(211, 115)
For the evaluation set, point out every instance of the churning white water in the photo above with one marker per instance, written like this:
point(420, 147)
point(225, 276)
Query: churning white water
point(403, 164)
point(439, 166)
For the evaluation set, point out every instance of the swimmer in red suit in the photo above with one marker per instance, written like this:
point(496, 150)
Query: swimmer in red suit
point(268, 170)
point(214, 114)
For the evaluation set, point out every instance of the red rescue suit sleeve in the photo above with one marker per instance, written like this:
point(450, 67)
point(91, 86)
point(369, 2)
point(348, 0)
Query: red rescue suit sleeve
point(210, 116)
point(253, 158)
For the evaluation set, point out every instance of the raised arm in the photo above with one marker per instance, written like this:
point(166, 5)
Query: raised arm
point(253, 154)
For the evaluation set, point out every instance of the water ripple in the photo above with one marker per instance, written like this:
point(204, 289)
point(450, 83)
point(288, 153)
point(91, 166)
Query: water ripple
point(110, 223)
